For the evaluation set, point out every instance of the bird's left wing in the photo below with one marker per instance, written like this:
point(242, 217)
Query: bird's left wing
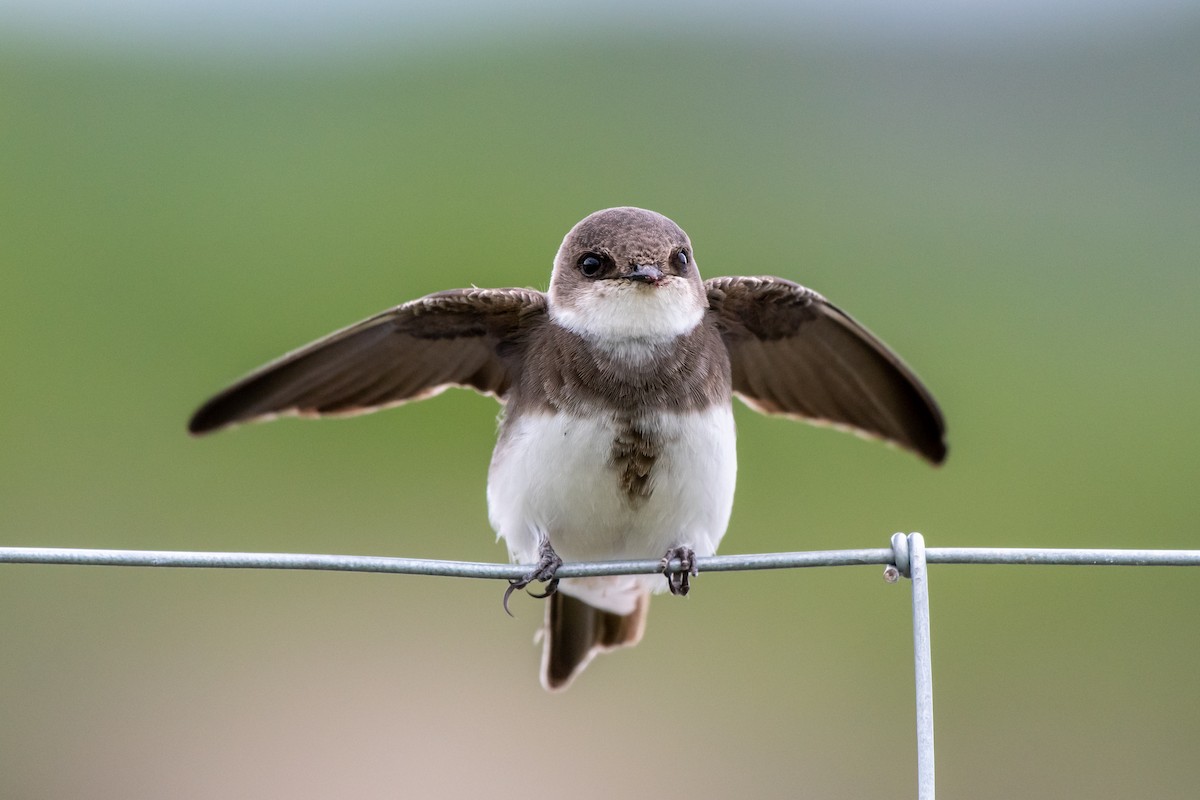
point(463, 337)
point(793, 352)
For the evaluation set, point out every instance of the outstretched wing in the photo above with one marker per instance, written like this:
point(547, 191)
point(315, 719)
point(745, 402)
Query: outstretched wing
point(464, 337)
point(795, 353)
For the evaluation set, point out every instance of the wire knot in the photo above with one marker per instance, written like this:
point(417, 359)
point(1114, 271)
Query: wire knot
point(902, 563)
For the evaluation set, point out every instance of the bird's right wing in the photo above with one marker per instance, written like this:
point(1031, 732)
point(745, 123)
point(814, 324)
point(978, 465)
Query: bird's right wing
point(463, 337)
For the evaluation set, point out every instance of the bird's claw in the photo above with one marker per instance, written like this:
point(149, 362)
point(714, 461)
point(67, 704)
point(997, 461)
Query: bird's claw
point(677, 582)
point(548, 564)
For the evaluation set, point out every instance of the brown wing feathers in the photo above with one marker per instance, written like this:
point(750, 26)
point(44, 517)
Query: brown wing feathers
point(792, 352)
point(464, 337)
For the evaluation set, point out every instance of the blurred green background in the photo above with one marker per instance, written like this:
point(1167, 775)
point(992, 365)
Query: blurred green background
point(1018, 215)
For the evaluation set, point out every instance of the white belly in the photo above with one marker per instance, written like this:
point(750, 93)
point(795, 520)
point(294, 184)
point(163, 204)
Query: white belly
point(551, 476)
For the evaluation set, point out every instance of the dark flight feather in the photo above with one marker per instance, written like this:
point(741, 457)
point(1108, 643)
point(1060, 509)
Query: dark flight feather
point(464, 337)
point(792, 352)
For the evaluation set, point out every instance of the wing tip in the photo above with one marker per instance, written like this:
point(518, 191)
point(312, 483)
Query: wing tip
point(932, 446)
point(935, 453)
point(223, 411)
point(205, 420)
point(924, 430)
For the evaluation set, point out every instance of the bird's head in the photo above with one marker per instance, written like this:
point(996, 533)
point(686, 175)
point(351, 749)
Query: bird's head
point(627, 273)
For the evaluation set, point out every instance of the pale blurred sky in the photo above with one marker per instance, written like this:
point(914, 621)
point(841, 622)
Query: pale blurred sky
point(258, 26)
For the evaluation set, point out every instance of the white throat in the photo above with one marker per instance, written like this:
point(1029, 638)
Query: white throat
point(616, 312)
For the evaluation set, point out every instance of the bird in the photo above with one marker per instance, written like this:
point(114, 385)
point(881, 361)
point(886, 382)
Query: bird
point(616, 439)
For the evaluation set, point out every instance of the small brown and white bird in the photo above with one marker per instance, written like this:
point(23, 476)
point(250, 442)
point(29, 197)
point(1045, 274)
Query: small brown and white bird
point(617, 438)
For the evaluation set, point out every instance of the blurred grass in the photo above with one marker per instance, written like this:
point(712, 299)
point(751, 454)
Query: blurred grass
point(1020, 225)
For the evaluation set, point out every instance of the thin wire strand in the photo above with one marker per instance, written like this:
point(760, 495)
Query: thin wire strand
point(475, 569)
point(1098, 557)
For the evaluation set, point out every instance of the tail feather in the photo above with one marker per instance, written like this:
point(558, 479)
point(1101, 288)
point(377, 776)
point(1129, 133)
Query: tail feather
point(575, 632)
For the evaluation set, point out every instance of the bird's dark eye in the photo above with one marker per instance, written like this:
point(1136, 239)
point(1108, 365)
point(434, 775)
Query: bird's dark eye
point(682, 258)
point(591, 265)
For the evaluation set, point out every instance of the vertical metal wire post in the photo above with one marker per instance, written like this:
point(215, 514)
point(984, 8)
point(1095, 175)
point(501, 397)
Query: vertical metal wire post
point(923, 664)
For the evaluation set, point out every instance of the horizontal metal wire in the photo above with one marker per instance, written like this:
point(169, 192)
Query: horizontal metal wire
point(470, 569)
point(421, 566)
point(1063, 556)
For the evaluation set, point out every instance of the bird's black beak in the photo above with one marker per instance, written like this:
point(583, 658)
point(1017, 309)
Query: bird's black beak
point(645, 273)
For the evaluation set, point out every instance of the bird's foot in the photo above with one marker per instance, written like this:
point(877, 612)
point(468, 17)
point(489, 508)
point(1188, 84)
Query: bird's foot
point(677, 582)
point(548, 564)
